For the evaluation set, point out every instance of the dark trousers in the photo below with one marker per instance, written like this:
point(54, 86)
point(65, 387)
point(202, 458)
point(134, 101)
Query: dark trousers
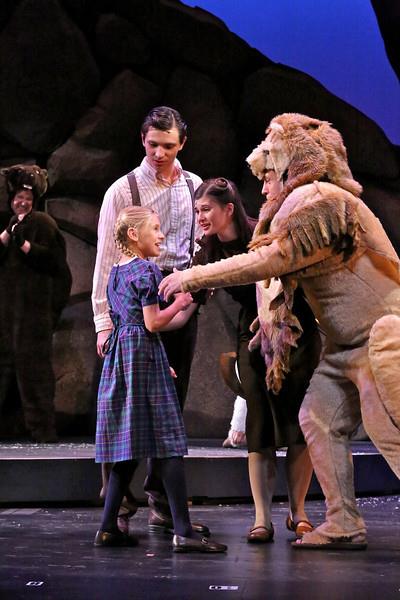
point(179, 346)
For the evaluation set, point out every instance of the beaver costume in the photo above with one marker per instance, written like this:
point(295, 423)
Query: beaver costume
point(35, 283)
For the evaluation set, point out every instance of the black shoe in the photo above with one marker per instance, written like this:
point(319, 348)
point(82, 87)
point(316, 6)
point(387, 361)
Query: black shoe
point(184, 544)
point(106, 538)
point(158, 522)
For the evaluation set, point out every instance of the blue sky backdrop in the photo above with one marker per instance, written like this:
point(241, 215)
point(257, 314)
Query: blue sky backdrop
point(337, 42)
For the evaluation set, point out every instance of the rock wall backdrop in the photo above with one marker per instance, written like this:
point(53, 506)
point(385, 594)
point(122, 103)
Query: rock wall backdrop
point(76, 79)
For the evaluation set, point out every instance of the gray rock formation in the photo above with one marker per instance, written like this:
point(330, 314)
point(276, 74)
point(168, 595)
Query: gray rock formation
point(48, 76)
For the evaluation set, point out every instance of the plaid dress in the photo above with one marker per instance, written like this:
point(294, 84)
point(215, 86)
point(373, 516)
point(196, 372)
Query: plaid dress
point(138, 414)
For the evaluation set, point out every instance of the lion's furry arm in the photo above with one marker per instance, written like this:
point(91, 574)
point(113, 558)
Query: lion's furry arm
point(266, 262)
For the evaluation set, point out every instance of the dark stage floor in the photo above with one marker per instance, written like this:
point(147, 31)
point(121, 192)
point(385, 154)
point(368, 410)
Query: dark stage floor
point(48, 553)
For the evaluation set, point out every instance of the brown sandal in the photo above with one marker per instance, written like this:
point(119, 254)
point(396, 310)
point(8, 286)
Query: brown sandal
point(298, 527)
point(261, 535)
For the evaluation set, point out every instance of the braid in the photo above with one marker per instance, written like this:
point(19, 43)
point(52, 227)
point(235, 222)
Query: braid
point(124, 248)
point(133, 216)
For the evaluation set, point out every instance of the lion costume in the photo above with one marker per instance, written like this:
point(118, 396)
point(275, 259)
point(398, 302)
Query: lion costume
point(323, 238)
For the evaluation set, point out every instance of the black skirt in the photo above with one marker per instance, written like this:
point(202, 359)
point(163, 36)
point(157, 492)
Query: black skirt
point(272, 420)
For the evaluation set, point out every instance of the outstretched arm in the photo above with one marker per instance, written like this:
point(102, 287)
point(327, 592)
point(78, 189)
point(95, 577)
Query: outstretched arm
point(266, 262)
point(309, 235)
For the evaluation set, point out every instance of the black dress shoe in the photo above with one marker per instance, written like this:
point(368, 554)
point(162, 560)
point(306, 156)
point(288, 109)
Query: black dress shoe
point(159, 522)
point(185, 544)
point(106, 538)
point(201, 529)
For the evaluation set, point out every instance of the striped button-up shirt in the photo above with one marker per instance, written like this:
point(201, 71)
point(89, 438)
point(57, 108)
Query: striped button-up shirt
point(173, 204)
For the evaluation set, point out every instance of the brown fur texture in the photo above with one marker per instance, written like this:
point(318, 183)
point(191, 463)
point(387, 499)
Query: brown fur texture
point(19, 175)
point(329, 220)
point(277, 333)
point(304, 150)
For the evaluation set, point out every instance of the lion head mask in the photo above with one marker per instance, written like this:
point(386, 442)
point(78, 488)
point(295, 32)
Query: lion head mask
point(302, 150)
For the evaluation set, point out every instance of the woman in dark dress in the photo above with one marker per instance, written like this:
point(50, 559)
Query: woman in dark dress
point(272, 420)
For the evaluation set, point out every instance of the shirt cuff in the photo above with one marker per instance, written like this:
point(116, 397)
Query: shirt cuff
point(102, 322)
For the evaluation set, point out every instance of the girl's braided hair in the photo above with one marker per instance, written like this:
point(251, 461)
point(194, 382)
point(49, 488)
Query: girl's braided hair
point(133, 216)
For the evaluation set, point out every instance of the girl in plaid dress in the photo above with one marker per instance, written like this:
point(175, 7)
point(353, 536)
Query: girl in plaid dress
point(138, 414)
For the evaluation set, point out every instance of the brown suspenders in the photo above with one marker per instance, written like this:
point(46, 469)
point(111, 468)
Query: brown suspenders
point(134, 189)
point(136, 201)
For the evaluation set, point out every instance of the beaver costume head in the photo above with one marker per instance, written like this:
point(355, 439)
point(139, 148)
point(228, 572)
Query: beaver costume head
point(25, 177)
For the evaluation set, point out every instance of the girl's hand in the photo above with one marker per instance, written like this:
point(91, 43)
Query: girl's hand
point(170, 285)
point(183, 300)
point(101, 339)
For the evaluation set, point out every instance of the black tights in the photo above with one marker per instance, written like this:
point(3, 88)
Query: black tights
point(118, 484)
point(171, 472)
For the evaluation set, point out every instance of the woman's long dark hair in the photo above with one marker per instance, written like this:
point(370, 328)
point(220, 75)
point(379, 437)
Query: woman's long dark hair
point(223, 191)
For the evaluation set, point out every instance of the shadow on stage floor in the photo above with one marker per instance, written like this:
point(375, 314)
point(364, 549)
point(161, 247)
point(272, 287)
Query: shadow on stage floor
point(47, 553)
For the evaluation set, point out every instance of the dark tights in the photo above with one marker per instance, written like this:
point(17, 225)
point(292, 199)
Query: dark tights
point(118, 484)
point(170, 471)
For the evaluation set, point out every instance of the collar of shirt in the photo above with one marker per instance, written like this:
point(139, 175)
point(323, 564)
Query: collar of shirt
point(151, 172)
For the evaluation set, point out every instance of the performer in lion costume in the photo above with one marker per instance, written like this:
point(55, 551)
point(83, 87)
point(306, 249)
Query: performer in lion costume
point(319, 235)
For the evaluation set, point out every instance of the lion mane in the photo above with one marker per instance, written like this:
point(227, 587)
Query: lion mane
point(300, 150)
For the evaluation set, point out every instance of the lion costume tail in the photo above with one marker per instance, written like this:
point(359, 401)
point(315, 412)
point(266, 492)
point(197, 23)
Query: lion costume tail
point(384, 359)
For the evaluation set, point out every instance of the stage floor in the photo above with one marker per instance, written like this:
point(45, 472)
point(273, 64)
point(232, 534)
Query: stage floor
point(48, 554)
point(85, 449)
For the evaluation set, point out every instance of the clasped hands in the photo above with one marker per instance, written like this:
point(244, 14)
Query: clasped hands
point(15, 229)
point(170, 285)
